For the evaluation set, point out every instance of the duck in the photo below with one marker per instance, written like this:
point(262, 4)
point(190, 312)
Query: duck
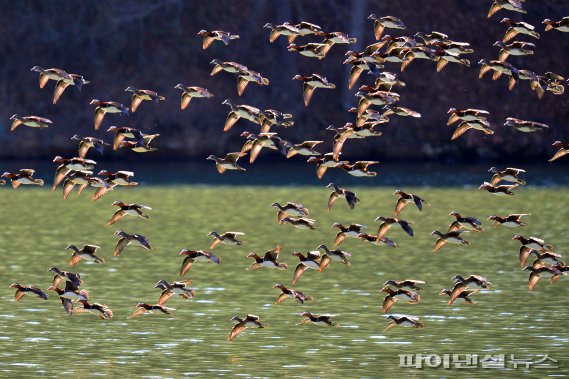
point(333, 38)
point(122, 132)
point(270, 117)
point(240, 111)
point(249, 76)
point(419, 52)
point(563, 150)
point(450, 47)
point(102, 187)
point(119, 178)
point(24, 176)
point(406, 198)
point(67, 304)
point(311, 260)
point(499, 68)
point(510, 174)
point(352, 230)
point(67, 165)
point(175, 288)
point(325, 162)
point(548, 257)
point(400, 111)
point(517, 48)
point(21, 291)
point(231, 67)
point(380, 23)
point(87, 253)
point(194, 256)
point(431, 38)
point(461, 284)
point(104, 107)
point(250, 321)
point(351, 197)
point(286, 29)
point(269, 260)
point(525, 126)
point(307, 28)
point(130, 239)
point(86, 143)
point(561, 25)
point(73, 80)
point(360, 168)
point(443, 57)
point(299, 222)
point(142, 308)
point(127, 209)
point(373, 239)
point(465, 222)
point(305, 148)
point(510, 5)
point(229, 162)
point(452, 237)
point(369, 116)
point(209, 36)
point(188, 93)
point(513, 220)
point(100, 310)
point(227, 238)
point(393, 42)
point(259, 141)
point(403, 321)
point(379, 98)
point(407, 284)
point(324, 319)
point(359, 65)
point(311, 83)
point(539, 270)
point(387, 222)
point(463, 295)
point(73, 278)
point(518, 27)
point(46, 75)
point(81, 178)
point(333, 255)
point(533, 243)
point(139, 147)
point(31, 121)
point(290, 293)
point(502, 190)
point(393, 295)
point(138, 95)
point(466, 115)
point(290, 209)
point(310, 50)
point(363, 129)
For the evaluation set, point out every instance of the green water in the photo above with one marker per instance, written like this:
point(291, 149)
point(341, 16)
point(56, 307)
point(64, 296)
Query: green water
point(38, 338)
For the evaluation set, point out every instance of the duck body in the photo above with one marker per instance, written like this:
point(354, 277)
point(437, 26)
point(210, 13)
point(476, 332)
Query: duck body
point(269, 260)
point(30, 121)
point(87, 253)
point(24, 176)
point(250, 321)
point(323, 320)
point(403, 321)
point(195, 256)
point(27, 290)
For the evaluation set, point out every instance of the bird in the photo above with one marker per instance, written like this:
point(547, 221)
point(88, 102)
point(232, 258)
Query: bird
point(87, 253)
point(561, 25)
point(81, 178)
point(227, 238)
point(100, 310)
point(122, 133)
point(513, 220)
point(256, 142)
point(175, 288)
point(452, 237)
point(66, 301)
point(142, 308)
point(359, 168)
point(539, 270)
point(307, 28)
point(338, 192)
point(380, 23)
point(352, 230)
point(399, 111)
point(290, 293)
point(188, 93)
point(333, 255)
point(407, 284)
point(104, 107)
point(62, 78)
point(139, 95)
point(305, 148)
point(24, 176)
point(499, 68)
point(119, 178)
point(464, 295)
point(250, 321)
point(240, 111)
point(517, 48)
point(324, 163)
point(547, 257)
point(386, 224)
point(510, 5)
point(71, 277)
point(311, 318)
point(299, 222)
point(533, 243)
point(311, 83)
point(563, 150)
point(476, 282)
point(270, 117)
point(380, 98)
point(310, 50)
point(373, 239)
point(509, 174)
point(525, 126)
point(333, 38)
point(443, 57)
point(290, 209)
point(86, 143)
point(209, 36)
point(286, 29)
point(46, 75)
point(229, 162)
point(140, 147)
point(247, 76)
point(127, 209)
point(269, 260)
point(130, 239)
point(502, 190)
point(518, 27)
point(67, 165)
point(406, 198)
point(465, 222)
point(466, 115)
point(464, 126)
point(231, 67)
point(311, 260)
point(21, 291)
point(31, 121)
point(195, 256)
point(403, 321)
point(393, 295)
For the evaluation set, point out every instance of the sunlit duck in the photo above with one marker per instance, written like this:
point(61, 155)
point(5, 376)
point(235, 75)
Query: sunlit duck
point(333, 255)
point(190, 92)
point(231, 67)
point(311, 83)
point(142, 308)
point(433, 37)
point(380, 23)
point(122, 132)
point(509, 175)
point(100, 310)
point(418, 52)
point(66, 165)
point(466, 115)
point(310, 318)
point(452, 237)
point(140, 142)
point(539, 270)
point(299, 222)
point(518, 27)
point(73, 278)
point(73, 80)
point(89, 142)
point(269, 260)
point(119, 178)
point(525, 126)
point(360, 168)
point(407, 284)
point(290, 293)
point(561, 25)
point(443, 57)
point(400, 111)
point(473, 281)
point(104, 107)
point(406, 198)
point(563, 150)
point(403, 321)
point(72, 293)
point(499, 68)
point(46, 75)
point(311, 260)
point(138, 95)
point(362, 129)
point(127, 209)
point(451, 47)
point(195, 256)
point(353, 230)
point(139, 147)
point(130, 239)
point(379, 98)
point(23, 290)
point(465, 222)
point(290, 209)
point(24, 176)
point(517, 48)
point(325, 162)
point(370, 116)
point(393, 42)
point(102, 187)
point(227, 238)
point(553, 82)
point(87, 253)
point(286, 29)
point(360, 65)
point(510, 5)
point(67, 304)
point(386, 224)
point(227, 163)
point(333, 38)
point(513, 220)
point(31, 121)
point(305, 148)
point(338, 192)
point(256, 142)
point(462, 295)
point(176, 288)
point(250, 321)
point(240, 111)
point(393, 295)
point(548, 258)
point(249, 76)
point(270, 117)
point(373, 239)
point(310, 50)
point(533, 243)
point(216, 35)
point(80, 178)
point(502, 190)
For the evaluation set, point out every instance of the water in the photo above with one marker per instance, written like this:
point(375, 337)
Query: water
point(37, 338)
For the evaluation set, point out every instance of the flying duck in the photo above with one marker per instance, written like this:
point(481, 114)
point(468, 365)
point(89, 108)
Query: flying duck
point(100, 310)
point(311, 260)
point(509, 175)
point(359, 65)
point(403, 321)
point(466, 115)
point(139, 147)
point(310, 50)
point(562, 25)
point(406, 198)
point(393, 295)
point(452, 237)
point(518, 27)
point(23, 290)
point(130, 239)
point(290, 209)
point(400, 111)
point(286, 29)
point(24, 176)
point(311, 83)
point(216, 35)
point(250, 321)
point(80, 178)
point(121, 133)
point(464, 222)
point(325, 162)
point(407, 284)
point(359, 168)
point(127, 209)
point(310, 318)
point(306, 28)
point(353, 230)
point(461, 284)
point(433, 37)
point(299, 222)
point(338, 192)
point(67, 303)
point(539, 270)
point(86, 143)
point(499, 68)
point(513, 220)
point(333, 255)
point(249, 76)
point(373, 239)
point(194, 256)
point(380, 23)
point(548, 258)
point(87, 253)
point(175, 288)
point(517, 48)
point(290, 293)
point(330, 39)
point(240, 111)
point(502, 190)
point(269, 260)
point(386, 224)
point(533, 243)
point(46, 75)
point(443, 57)
point(227, 238)
point(67, 165)
point(463, 295)
point(119, 178)
point(563, 150)
point(104, 107)
point(379, 98)
point(138, 95)
point(270, 117)
point(31, 121)
point(142, 308)
point(305, 148)
point(73, 278)
point(256, 142)
point(525, 126)
point(464, 126)
point(227, 163)
point(231, 67)
point(190, 92)
point(510, 5)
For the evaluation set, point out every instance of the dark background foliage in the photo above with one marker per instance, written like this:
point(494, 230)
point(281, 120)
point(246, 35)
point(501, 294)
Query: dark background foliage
point(153, 45)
